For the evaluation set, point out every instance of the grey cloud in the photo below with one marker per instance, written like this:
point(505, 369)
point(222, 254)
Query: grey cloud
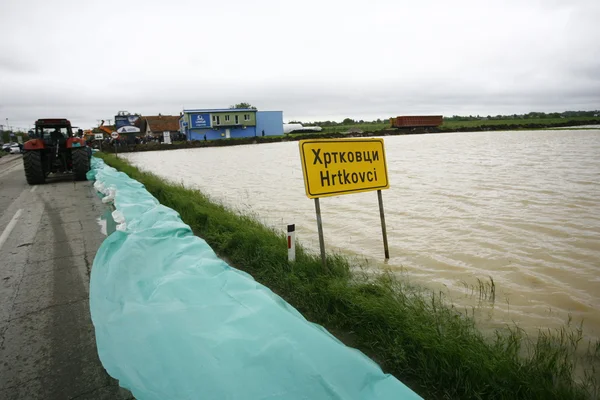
point(312, 59)
point(15, 66)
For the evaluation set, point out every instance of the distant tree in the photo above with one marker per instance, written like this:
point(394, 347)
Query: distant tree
point(378, 120)
point(244, 105)
point(348, 121)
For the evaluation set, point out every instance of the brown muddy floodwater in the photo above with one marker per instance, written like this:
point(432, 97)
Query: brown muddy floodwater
point(520, 207)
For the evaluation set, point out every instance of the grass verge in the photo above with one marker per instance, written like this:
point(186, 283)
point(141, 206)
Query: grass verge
point(476, 124)
point(411, 333)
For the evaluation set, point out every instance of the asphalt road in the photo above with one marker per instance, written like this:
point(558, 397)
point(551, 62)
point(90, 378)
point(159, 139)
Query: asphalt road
point(49, 235)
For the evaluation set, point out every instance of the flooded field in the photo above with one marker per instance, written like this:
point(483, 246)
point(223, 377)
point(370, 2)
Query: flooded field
point(520, 207)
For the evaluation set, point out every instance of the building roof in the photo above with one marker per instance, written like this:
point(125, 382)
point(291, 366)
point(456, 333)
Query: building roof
point(161, 123)
point(215, 110)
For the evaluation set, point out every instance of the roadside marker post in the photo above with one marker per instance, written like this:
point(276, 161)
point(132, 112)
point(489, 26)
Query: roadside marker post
point(291, 242)
point(333, 167)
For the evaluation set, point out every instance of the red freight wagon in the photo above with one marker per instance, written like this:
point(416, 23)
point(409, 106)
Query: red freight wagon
point(414, 121)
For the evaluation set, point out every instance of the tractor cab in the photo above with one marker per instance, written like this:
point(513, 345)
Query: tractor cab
point(54, 149)
point(53, 132)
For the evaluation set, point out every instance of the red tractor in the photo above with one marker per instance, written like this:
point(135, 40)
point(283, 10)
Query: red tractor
point(55, 149)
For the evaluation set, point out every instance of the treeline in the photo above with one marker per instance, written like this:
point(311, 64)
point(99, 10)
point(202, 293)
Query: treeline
point(346, 121)
point(531, 115)
point(12, 136)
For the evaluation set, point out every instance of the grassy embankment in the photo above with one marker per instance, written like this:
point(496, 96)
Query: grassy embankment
point(411, 333)
point(450, 126)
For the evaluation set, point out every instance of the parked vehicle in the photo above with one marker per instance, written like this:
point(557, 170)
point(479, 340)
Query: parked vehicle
point(55, 149)
point(15, 149)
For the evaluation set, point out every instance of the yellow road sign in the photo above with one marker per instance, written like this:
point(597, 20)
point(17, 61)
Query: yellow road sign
point(332, 167)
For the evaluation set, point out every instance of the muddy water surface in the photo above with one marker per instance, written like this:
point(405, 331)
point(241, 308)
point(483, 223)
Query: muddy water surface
point(520, 207)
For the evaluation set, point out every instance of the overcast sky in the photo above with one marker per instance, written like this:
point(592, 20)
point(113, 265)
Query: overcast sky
point(315, 60)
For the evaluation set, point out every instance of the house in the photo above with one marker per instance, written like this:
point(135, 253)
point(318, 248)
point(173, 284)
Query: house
point(159, 124)
point(224, 123)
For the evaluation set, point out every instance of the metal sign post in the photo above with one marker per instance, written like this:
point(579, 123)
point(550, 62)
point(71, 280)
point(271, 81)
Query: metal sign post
point(99, 137)
point(332, 167)
point(386, 250)
point(320, 229)
point(115, 136)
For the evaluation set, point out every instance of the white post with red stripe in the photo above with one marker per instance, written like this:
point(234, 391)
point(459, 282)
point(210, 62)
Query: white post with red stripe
point(291, 242)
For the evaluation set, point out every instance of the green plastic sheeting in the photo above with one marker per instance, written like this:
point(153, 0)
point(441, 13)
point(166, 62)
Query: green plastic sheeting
point(173, 321)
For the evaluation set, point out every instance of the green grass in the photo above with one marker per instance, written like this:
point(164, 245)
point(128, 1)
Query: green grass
point(364, 127)
point(413, 334)
point(520, 121)
point(450, 125)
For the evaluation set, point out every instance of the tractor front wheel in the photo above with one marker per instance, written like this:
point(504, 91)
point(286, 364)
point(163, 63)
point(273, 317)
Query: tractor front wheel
point(81, 163)
point(34, 169)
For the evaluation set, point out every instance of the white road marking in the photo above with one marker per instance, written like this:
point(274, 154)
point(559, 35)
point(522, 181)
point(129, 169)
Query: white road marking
point(33, 189)
point(9, 227)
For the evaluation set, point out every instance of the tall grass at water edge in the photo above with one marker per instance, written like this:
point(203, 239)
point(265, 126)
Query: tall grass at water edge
point(413, 334)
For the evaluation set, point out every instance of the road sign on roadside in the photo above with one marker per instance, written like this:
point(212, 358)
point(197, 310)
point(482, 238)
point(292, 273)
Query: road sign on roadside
point(332, 167)
point(114, 135)
point(99, 136)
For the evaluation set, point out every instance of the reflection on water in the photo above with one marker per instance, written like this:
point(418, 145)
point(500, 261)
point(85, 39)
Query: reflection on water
point(520, 207)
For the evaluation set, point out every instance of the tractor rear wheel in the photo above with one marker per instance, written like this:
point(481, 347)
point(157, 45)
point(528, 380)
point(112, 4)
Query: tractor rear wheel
point(34, 169)
point(81, 163)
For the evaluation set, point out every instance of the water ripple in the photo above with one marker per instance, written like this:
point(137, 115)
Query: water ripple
point(520, 207)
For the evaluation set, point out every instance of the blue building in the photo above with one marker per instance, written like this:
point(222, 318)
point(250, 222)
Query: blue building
point(224, 123)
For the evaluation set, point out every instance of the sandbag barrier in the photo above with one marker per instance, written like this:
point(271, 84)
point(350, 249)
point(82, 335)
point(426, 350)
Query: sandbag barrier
point(174, 321)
